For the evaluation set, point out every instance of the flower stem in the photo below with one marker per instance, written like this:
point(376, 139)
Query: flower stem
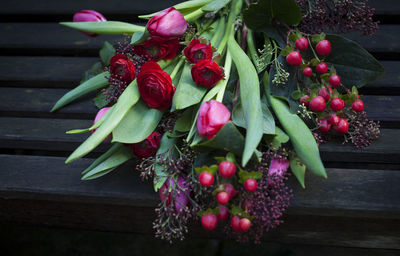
point(194, 15)
point(236, 6)
point(177, 67)
point(227, 68)
point(219, 32)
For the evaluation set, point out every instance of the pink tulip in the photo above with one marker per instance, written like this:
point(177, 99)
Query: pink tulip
point(278, 166)
point(213, 115)
point(99, 116)
point(169, 24)
point(181, 199)
point(88, 16)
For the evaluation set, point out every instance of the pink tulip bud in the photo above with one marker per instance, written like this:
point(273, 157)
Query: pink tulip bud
point(213, 115)
point(88, 16)
point(99, 116)
point(278, 166)
point(168, 24)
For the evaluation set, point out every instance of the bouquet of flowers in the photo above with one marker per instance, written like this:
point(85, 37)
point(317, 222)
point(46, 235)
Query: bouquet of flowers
point(218, 99)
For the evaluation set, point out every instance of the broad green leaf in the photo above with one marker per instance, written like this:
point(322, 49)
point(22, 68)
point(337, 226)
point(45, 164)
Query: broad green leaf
point(120, 156)
point(300, 135)
point(279, 138)
point(268, 120)
point(93, 71)
point(106, 53)
point(298, 169)
point(184, 7)
point(100, 100)
point(127, 99)
point(354, 65)
point(249, 97)
point(105, 27)
point(215, 5)
point(187, 92)
point(184, 122)
point(90, 85)
point(140, 37)
point(114, 148)
point(137, 124)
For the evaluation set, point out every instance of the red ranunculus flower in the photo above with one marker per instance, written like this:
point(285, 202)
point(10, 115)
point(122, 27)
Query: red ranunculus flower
point(88, 16)
point(155, 86)
point(197, 51)
point(122, 68)
point(207, 73)
point(213, 115)
point(157, 50)
point(168, 24)
point(148, 147)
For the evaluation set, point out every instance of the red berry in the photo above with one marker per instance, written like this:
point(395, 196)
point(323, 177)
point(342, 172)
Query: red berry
point(342, 127)
point(324, 126)
point(334, 80)
point(307, 72)
point(304, 101)
point(209, 221)
point(322, 68)
point(294, 58)
point(226, 169)
point(325, 93)
point(223, 198)
point(223, 213)
point(334, 120)
point(230, 189)
point(358, 106)
point(250, 185)
point(317, 104)
point(206, 179)
point(235, 223)
point(244, 224)
point(337, 104)
point(323, 47)
point(301, 44)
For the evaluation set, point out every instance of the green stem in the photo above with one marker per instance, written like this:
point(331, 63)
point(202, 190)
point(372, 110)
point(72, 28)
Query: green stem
point(218, 33)
point(251, 46)
point(177, 67)
point(227, 67)
point(194, 15)
point(235, 9)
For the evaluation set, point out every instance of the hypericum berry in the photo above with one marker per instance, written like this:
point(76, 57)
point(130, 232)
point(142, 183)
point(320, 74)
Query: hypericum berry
point(209, 221)
point(301, 44)
point(250, 185)
point(324, 47)
point(206, 179)
point(342, 126)
point(322, 68)
point(222, 198)
point(294, 58)
point(304, 101)
point(325, 93)
point(358, 106)
point(223, 213)
point(334, 120)
point(334, 80)
point(324, 125)
point(337, 104)
point(235, 223)
point(307, 72)
point(244, 224)
point(230, 189)
point(226, 169)
point(317, 104)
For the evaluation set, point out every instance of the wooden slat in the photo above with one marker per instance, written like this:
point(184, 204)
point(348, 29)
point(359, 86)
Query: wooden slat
point(49, 135)
point(121, 202)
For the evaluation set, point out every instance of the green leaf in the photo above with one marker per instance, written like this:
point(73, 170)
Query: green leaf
point(94, 126)
point(354, 65)
point(315, 39)
point(244, 175)
point(285, 52)
point(215, 5)
point(287, 11)
point(90, 85)
point(300, 135)
point(127, 99)
point(120, 156)
point(138, 123)
point(296, 95)
point(184, 122)
point(210, 169)
point(184, 7)
point(106, 53)
point(187, 92)
point(105, 27)
point(140, 37)
point(249, 97)
point(298, 169)
point(268, 120)
point(94, 70)
point(114, 148)
point(100, 100)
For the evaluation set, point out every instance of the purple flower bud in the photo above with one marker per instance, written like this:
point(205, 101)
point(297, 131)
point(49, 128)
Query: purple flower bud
point(168, 24)
point(278, 166)
point(181, 190)
point(99, 116)
point(88, 16)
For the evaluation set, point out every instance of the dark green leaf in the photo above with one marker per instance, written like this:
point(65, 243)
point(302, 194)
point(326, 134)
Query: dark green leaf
point(114, 148)
point(287, 11)
point(215, 5)
point(100, 100)
point(184, 122)
point(296, 95)
point(140, 37)
point(285, 52)
point(298, 169)
point(279, 138)
point(268, 120)
point(106, 53)
point(94, 70)
point(315, 39)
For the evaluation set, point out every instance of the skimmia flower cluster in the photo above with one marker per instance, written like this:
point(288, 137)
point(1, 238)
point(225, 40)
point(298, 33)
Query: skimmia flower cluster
point(220, 108)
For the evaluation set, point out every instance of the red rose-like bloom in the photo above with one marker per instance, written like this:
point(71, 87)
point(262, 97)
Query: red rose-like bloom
point(155, 86)
point(197, 51)
point(88, 16)
point(168, 24)
point(157, 50)
point(207, 73)
point(122, 68)
point(148, 147)
point(213, 115)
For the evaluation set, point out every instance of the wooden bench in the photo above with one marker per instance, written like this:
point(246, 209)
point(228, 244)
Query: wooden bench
point(355, 209)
